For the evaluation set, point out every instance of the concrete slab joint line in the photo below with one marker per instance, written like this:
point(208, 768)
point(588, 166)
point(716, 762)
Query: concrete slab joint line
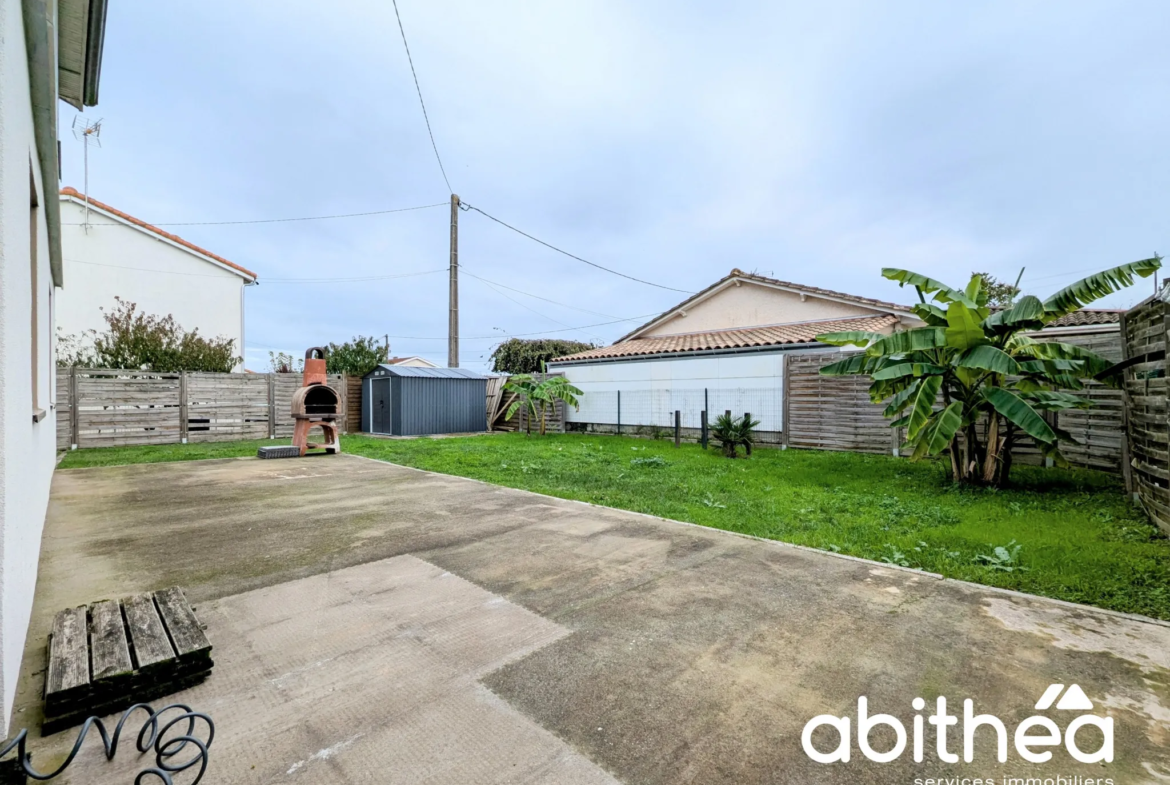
point(376, 624)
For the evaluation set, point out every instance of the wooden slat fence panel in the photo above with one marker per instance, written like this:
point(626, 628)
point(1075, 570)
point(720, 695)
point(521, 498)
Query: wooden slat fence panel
point(117, 408)
point(353, 404)
point(832, 412)
point(1099, 430)
point(226, 407)
point(1146, 411)
point(123, 408)
point(64, 407)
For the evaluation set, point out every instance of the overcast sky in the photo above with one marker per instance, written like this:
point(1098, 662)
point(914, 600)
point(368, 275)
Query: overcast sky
point(813, 142)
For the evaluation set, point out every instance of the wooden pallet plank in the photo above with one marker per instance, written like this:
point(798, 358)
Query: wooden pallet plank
point(109, 647)
point(148, 637)
point(68, 653)
point(186, 632)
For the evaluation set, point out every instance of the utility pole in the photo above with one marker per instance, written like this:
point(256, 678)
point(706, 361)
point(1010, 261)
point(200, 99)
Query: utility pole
point(453, 316)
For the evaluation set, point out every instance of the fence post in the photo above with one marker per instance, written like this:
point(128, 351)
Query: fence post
point(271, 406)
point(74, 421)
point(182, 407)
point(747, 417)
point(619, 417)
point(895, 442)
point(1126, 458)
point(677, 427)
point(703, 428)
point(784, 376)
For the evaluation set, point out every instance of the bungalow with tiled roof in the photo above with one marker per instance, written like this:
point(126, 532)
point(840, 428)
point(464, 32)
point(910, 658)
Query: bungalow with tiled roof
point(724, 348)
point(108, 253)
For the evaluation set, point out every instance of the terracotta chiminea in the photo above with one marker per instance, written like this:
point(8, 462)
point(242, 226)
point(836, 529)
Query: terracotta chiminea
point(315, 405)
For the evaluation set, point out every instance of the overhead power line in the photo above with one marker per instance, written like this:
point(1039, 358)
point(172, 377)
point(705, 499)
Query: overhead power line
point(357, 279)
point(521, 335)
point(533, 310)
point(421, 102)
point(275, 220)
point(574, 256)
point(464, 271)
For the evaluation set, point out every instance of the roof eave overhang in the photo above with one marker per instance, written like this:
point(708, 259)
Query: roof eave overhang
point(775, 347)
point(81, 37)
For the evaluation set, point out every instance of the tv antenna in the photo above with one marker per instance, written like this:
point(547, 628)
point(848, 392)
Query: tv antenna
point(87, 132)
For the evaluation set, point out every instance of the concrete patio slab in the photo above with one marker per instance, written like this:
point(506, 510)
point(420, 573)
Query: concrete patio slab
point(579, 643)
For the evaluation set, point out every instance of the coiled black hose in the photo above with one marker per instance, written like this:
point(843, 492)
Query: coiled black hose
point(164, 749)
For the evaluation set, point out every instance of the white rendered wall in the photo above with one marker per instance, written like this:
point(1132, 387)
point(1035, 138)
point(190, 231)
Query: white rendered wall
point(753, 305)
point(113, 259)
point(26, 449)
point(653, 389)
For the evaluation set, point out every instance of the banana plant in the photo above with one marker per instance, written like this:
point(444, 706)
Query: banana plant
point(537, 396)
point(972, 377)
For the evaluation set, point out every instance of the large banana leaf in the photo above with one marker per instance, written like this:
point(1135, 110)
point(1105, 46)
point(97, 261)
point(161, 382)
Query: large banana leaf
point(850, 366)
point(902, 370)
point(923, 406)
point(988, 358)
point(1078, 295)
point(901, 400)
point(975, 291)
point(930, 313)
point(909, 341)
point(1027, 313)
point(942, 293)
point(1051, 367)
point(940, 432)
point(1091, 363)
point(860, 338)
point(1017, 411)
point(1056, 401)
point(963, 328)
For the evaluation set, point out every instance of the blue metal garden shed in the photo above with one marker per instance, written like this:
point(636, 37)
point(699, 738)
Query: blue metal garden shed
point(406, 401)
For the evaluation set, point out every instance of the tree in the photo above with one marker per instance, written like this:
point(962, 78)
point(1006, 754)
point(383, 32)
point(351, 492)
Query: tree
point(356, 357)
point(999, 294)
point(993, 378)
point(535, 397)
point(279, 362)
point(519, 356)
point(141, 341)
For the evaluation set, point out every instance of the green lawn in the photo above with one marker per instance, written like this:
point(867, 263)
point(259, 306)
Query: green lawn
point(1080, 538)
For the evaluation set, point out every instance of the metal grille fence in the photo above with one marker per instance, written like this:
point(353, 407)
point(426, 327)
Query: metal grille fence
point(634, 411)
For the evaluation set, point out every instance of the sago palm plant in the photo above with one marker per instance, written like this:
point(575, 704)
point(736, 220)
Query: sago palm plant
point(969, 379)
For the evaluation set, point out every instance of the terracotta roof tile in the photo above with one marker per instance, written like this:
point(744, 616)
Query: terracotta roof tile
point(68, 191)
point(1089, 316)
point(772, 335)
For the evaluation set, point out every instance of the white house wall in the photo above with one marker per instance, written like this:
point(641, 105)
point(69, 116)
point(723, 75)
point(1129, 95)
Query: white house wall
point(26, 448)
point(652, 390)
point(113, 259)
point(752, 305)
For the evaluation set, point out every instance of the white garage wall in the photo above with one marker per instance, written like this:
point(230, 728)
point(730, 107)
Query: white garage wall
point(652, 390)
point(27, 448)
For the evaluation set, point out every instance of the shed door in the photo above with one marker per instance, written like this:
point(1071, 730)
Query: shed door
point(380, 406)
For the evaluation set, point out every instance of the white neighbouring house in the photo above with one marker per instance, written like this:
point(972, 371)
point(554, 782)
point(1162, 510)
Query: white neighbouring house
point(114, 254)
point(411, 362)
point(49, 50)
point(725, 347)
point(721, 349)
